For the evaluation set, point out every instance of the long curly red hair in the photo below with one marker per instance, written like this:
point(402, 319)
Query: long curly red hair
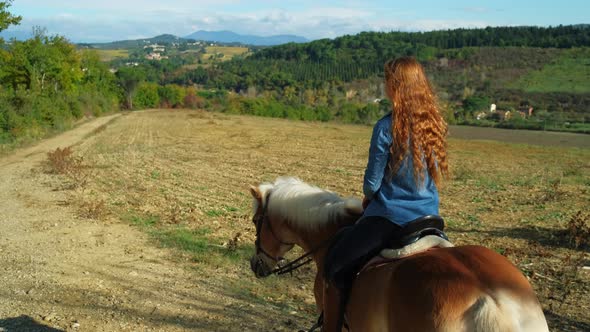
point(417, 125)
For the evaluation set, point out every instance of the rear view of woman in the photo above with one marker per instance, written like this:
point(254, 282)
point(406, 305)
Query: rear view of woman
point(407, 160)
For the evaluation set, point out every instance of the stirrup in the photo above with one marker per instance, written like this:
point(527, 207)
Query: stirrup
point(317, 324)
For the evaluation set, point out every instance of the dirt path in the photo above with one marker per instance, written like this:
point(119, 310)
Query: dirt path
point(59, 272)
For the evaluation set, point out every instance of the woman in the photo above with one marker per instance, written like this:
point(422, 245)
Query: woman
point(407, 159)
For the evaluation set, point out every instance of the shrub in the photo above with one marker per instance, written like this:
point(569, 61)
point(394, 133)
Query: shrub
point(171, 95)
point(63, 161)
point(147, 96)
point(192, 100)
point(578, 229)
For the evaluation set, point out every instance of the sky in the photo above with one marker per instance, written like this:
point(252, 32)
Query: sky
point(109, 20)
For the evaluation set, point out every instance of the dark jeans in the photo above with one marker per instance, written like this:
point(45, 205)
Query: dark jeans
point(355, 247)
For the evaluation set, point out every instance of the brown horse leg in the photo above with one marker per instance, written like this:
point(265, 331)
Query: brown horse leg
point(318, 291)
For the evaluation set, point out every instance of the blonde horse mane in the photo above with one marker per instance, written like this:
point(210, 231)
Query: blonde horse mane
point(305, 206)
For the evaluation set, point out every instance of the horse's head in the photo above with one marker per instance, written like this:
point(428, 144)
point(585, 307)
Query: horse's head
point(291, 211)
point(273, 239)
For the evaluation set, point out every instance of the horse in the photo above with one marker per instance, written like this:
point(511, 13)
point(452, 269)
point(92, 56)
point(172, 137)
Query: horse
point(456, 288)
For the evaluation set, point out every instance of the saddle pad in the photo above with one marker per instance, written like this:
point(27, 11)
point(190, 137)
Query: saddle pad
point(388, 255)
point(425, 243)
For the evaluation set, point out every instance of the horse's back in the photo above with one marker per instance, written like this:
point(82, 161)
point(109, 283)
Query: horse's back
point(466, 288)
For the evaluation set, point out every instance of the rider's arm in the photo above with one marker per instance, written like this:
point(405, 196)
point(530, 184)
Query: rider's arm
point(378, 158)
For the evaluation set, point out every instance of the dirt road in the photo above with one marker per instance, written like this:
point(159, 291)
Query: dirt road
point(59, 272)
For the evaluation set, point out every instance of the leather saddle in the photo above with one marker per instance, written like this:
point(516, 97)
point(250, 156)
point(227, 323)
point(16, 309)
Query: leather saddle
point(417, 229)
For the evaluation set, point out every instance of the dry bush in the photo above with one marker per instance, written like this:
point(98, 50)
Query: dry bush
point(93, 209)
point(60, 161)
point(232, 244)
point(63, 161)
point(177, 212)
point(578, 229)
point(552, 191)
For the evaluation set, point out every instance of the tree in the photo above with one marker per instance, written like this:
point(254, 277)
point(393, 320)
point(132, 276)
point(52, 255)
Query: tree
point(147, 96)
point(6, 18)
point(46, 64)
point(129, 78)
point(476, 103)
point(96, 73)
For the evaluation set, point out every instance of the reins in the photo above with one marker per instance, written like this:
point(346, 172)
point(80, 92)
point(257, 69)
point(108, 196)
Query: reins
point(293, 265)
point(299, 262)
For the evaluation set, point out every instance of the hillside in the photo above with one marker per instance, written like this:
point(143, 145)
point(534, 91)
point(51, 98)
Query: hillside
point(135, 43)
point(541, 75)
point(222, 37)
point(232, 37)
point(569, 73)
point(513, 67)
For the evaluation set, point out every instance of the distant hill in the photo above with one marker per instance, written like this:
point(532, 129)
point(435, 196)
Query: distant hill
point(223, 37)
point(128, 44)
point(232, 37)
point(514, 66)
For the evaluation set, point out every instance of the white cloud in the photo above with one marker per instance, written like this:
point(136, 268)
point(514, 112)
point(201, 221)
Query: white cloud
point(118, 6)
point(316, 22)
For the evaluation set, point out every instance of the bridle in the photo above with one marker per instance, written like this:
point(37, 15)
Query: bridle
point(259, 223)
point(291, 266)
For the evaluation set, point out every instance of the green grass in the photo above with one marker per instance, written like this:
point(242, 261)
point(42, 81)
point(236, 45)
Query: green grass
point(141, 221)
point(193, 241)
point(214, 213)
point(569, 73)
point(199, 242)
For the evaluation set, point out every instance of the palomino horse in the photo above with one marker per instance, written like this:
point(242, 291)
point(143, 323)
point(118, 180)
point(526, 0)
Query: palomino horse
point(463, 288)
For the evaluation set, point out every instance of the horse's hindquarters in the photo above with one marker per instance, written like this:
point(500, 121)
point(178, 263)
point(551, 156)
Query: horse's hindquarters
point(468, 288)
point(504, 312)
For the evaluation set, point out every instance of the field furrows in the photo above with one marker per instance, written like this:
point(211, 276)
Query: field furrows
point(183, 177)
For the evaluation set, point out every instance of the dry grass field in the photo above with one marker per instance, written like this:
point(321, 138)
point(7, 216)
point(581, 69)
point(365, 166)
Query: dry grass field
point(228, 52)
point(109, 55)
point(183, 177)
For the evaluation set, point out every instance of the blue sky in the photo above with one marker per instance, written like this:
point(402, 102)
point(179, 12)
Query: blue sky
point(108, 20)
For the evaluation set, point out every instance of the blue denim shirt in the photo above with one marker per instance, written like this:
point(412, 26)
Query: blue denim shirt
point(396, 198)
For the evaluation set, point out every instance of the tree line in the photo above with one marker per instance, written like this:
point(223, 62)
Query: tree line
point(350, 58)
point(46, 84)
point(462, 63)
point(384, 44)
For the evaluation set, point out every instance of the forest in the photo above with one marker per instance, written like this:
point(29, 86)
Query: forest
point(47, 83)
point(514, 67)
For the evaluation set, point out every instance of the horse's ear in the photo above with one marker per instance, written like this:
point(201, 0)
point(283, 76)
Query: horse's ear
point(256, 193)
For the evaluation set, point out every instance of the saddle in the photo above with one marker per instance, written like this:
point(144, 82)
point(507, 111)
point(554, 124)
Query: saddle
point(418, 235)
point(417, 229)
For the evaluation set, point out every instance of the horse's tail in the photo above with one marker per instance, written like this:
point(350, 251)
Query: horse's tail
point(353, 206)
point(505, 314)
